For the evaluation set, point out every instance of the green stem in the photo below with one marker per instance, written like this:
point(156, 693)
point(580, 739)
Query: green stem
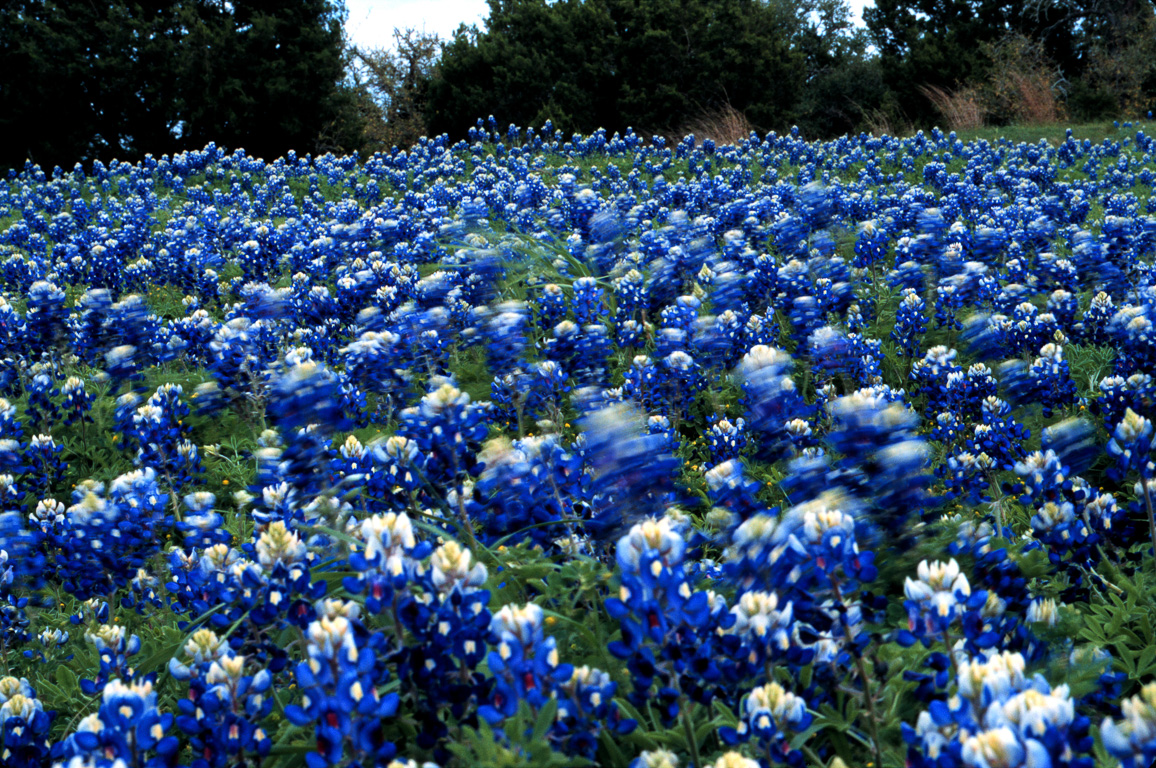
point(861, 668)
point(951, 655)
point(1151, 516)
point(688, 729)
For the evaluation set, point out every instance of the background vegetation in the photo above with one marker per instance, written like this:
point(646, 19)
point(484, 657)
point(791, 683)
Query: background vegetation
point(85, 81)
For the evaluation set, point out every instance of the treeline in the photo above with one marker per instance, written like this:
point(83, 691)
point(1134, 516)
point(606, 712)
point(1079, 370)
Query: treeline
point(83, 80)
point(665, 66)
point(121, 78)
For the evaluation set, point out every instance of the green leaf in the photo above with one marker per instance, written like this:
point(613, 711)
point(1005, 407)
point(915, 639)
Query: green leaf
point(1145, 661)
point(608, 744)
point(724, 714)
point(67, 680)
point(546, 716)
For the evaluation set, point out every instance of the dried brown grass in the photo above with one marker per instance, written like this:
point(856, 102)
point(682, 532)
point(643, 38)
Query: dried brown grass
point(962, 109)
point(725, 125)
point(1037, 103)
point(1021, 89)
point(879, 123)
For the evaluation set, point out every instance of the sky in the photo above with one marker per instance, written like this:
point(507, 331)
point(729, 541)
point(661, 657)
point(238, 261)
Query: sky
point(371, 22)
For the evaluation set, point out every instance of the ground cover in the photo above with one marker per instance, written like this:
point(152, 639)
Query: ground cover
point(545, 450)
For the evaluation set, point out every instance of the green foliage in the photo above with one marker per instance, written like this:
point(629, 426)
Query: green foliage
point(525, 744)
point(1102, 51)
point(83, 81)
point(1121, 623)
point(623, 63)
point(396, 84)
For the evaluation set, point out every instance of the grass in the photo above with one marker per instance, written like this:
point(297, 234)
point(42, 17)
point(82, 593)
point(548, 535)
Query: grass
point(1053, 133)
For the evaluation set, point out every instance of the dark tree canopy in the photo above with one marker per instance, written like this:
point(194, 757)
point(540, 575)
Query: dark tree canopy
point(83, 80)
point(87, 80)
point(941, 43)
point(650, 64)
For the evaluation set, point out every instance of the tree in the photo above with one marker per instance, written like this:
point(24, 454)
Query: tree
point(86, 80)
point(396, 82)
point(260, 75)
point(1103, 49)
point(935, 44)
point(82, 80)
point(844, 86)
point(648, 64)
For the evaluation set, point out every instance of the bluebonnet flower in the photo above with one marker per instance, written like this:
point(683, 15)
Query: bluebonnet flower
point(375, 363)
point(631, 477)
point(551, 305)
point(306, 393)
point(884, 462)
point(871, 245)
point(106, 539)
point(936, 601)
point(340, 694)
point(1050, 381)
point(967, 475)
point(642, 382)
point(585, 704)
point(1093, 328)
point(681, 381)
point(224, 703)
point(948, 301)
point(448, 429)
point(726, 439)
point(771, 716)
point(506, 336)
point(128, 727)
point(588, 305)
point(657, 758)
point(631, 296)
point(767, 630)
point(43, 464)
point(25, 724)
point(933, 372)
point(629, 334)
point(402, 471)
point(114, 645)
point(733, 495)
point(734, 760)
point(1118, 394)
point(41, 393)
point(666, 629)
point(49, 640)
point(46, 316)
point(450, 633)
point(1132, 738)
point(910, 323)
point(202, 525)
point(547, 383)
point(528, 484)
point(1000, 717)
point(77, 402)
point(772, 399)
point(1131, 445)
point(525, 663)
point(1044, 477)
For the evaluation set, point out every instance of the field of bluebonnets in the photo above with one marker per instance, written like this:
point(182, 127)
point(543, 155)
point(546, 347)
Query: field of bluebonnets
point(528, 450)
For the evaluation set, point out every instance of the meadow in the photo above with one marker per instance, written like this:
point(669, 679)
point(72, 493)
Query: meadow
point(536, 450)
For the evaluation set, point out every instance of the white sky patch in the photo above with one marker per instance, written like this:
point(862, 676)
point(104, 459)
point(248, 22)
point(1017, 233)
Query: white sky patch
point(371, 22)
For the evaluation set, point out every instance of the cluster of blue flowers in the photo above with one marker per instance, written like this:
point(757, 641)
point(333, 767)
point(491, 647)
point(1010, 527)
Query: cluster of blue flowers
point(731, 455)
